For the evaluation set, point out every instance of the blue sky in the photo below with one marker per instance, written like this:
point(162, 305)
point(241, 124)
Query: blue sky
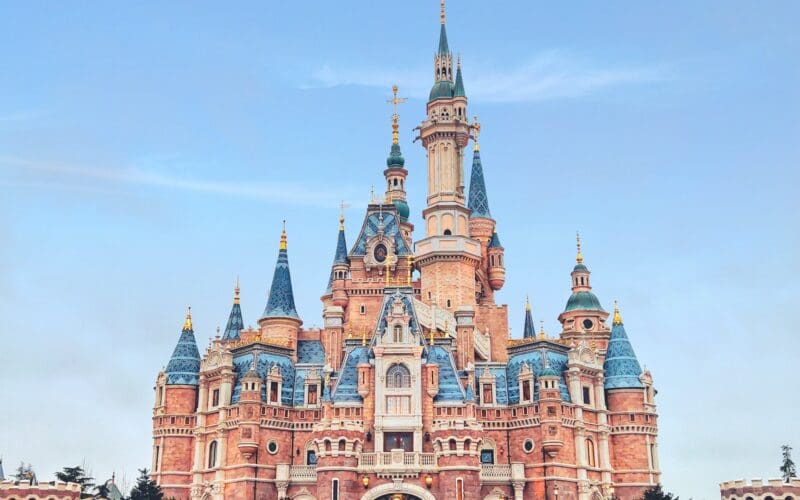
point(149, 151)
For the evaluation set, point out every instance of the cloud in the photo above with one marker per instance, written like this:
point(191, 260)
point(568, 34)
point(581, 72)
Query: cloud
point(550, 74)
point(286, 193)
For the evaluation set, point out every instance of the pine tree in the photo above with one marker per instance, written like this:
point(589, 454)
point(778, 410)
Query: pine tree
point(25, 473)
point(657, 493)
point(76, 475)
point(146, 488)
point(787, 469)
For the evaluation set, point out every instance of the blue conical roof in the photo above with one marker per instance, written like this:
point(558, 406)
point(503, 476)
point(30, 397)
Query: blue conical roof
point(281, 297)
point(528, 331)
point(235, 322)
point(184, 365)
point(495, 241)
point(459, 90)
point(478, 201)
point(621, 367)
point(341, 248)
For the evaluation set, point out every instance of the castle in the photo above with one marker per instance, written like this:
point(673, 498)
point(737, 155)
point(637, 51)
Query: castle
point(412, 389)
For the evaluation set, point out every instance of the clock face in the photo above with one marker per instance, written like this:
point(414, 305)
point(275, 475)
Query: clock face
point(380, 253)
point(587, 324)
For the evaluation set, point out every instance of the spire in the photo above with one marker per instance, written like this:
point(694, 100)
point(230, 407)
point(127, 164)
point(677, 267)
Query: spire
point(443, 48)
point(281, 298)
point(529, 331)
point(495, 241)
point(622, 369)
point(478, 200)
point(579, 257)
point(235, 322)
point(459, 90)
point(184, 365)
point(2, 474)
point(395, 159)
point(341, 245)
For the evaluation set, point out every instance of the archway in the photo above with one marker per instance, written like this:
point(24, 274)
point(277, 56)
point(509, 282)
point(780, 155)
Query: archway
point(409, 492)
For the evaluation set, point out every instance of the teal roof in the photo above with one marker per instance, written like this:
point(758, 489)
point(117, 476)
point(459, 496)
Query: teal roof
point(580, 267)
point(549, 372)
point(395, 158)
point(281, 297)
point(443, 48)
point(235, 323)
point(402, 209)
point(478, 200)
point(495, 241)
point(621, 367)
point(184, 365)
point(441, 90)
point(341, 248)
point(459, 90)
point(583, 301)
point(528, 331)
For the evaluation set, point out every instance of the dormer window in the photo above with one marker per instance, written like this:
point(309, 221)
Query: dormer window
point(311, 396)
point(273, 392)
point(487, 394)
point(526, 390)
point(397, 335)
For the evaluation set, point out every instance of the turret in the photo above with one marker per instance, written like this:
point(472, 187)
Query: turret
point(481, 223)
point(583, 315)
point(395, 172)
point(235, 322)
point(280, 322)
point(340, 271)
point(528, 331)
point(497, 268)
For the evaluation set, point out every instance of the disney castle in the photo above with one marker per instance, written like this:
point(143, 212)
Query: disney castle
point(412, 389)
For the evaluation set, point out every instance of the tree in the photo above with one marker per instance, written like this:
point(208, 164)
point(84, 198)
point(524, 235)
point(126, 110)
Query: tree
point(25, 473)
point(101, 491)
point(656, 493)
point(787, 469)
point(76, 475)
point(146, 488)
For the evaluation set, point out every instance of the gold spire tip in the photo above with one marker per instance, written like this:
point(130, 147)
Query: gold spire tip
point(442, 11)
point(187, 325)
point(527, 303)
point(236, 291)
point(617, 316)
point(283, 236)
point(476, 130)
point(579, 257)
point(395, 117)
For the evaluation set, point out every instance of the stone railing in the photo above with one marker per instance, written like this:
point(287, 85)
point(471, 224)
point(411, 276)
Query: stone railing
point(443, 317)
point(482, 344)
point(303, 474)
point(397, 461)
point(495, 473)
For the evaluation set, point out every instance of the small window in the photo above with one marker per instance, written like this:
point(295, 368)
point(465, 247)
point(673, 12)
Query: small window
point(526, 390)
point(398, 334)
point(272, 447)
point(311, 457)
point(633, 417)
point(273, 392)
point(215, 398)
point(587, 396)
point(447, 232)
point(487, 457)
point(363, 310)
point(459, 489)
point(398, 377)
point(448, 303)
point(527, 446)
point(312, 394)
point(212, 455)
point(486, 394)
point(335, 489)
point(590, 461)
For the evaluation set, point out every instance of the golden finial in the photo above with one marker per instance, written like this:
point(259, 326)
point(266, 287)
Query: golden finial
point(541, 329)
point(579, 258)
point(395, 117)
point(476, 130)
point(187, 325)
point(617, 316)
point(283, 236)
point(364, 337)
point(527, 303)
point(442, 11)
point(236, 291)
point(350, 334)
point(342, 206)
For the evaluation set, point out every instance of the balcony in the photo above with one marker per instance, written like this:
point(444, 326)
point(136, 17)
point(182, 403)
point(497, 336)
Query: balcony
point(303, 474)
point(397, 463)
point(495, 473)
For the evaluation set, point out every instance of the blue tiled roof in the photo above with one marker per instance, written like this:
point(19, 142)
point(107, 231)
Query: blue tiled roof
point(478, 200)
point(347, 386)
point(583, 301)
point(341, 248)
point(391, 230)
point(449, 384)
point(242, 364)
point(495, 241)
point(281, 297)
point(235, 323)
point(621, 367)
point(310, 351)
point(459, 90)
point(555, 360)
point(184, 365)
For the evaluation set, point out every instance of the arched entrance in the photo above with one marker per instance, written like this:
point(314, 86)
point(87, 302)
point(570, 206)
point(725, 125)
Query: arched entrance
point(391, 490)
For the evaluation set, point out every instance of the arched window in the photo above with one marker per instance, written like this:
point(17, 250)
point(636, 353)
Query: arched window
point(447, 232)
point(452, 445)
point(398, 377)
point(459, 489)
point(311, 457)
point(590, 453)
point(768, 497)
point(398, 333)
point(212, 454)
point(342, 444)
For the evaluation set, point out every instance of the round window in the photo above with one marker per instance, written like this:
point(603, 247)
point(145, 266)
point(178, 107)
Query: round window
point(272, 447)
point(588, 324)
point(380, 253)
point(528, 445)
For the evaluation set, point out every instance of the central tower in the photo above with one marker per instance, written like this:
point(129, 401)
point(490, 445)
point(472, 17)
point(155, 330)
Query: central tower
point(447, 256)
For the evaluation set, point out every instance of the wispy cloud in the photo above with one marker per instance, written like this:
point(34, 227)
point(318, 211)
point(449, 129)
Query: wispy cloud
point(550, 74)
point(54, 174)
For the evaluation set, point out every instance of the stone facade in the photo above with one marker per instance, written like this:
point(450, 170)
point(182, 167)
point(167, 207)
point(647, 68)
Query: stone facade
point(412, 389)
point(757, 489)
